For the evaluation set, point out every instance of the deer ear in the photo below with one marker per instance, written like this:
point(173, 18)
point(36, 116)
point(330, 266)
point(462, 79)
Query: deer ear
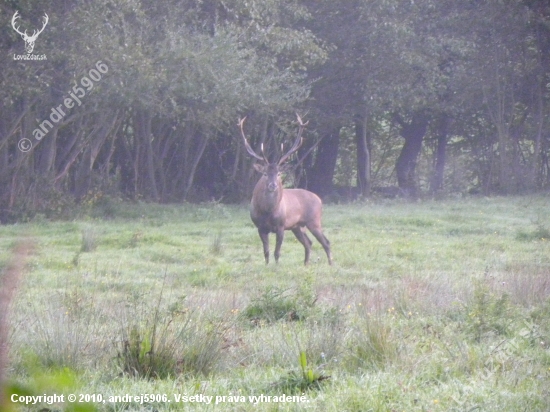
point(259, 167)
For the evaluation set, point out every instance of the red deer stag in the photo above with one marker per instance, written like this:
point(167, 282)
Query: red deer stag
point(274, 209)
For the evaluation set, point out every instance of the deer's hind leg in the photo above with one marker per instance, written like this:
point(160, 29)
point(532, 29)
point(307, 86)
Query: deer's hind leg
point(304, 240)
point(318, 233)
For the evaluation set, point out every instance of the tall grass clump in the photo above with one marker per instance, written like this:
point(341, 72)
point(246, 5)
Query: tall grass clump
point(161, 341)
point(216, 247)
point(370, 344)
point(38, 380)
point(89, 239)
point(276, 304)
point(306, 378)
point(66, 329)
point(272, 305)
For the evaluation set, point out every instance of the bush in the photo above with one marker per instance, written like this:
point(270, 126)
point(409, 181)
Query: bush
point(43, 198)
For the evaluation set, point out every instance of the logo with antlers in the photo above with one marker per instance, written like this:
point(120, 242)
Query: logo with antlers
point(29, 40)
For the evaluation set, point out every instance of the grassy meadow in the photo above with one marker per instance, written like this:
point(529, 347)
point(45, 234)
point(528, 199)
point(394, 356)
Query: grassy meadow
point(429, 306)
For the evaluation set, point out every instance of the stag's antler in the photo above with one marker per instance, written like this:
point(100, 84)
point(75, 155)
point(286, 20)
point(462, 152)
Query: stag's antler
point(297, 142)
point(247, 145)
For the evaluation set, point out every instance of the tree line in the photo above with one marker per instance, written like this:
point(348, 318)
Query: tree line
point(414, 98)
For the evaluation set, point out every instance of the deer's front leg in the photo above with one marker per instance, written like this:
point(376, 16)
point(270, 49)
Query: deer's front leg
point(265, 242)
point(280, 234)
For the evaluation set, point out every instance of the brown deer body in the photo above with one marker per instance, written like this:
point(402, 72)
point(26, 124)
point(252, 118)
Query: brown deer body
point(274, 209)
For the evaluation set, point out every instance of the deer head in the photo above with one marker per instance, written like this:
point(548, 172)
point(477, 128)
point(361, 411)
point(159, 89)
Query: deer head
point(29, 40)
point(271, 171)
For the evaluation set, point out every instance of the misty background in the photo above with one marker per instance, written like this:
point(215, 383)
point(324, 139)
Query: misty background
point(403, 98)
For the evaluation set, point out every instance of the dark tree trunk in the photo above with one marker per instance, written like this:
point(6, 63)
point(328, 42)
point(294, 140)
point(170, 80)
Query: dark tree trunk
point(436, 184)
point(203, 140)
point(83, 174)
point(71, 151)
point(322, 172)
point(48, 152)
point(413, 132)
point(363, 156)
point(144, 136)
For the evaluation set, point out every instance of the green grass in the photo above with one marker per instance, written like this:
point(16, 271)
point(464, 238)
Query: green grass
point(429, 306)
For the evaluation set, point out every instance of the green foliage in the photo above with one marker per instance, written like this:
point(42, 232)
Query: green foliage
point(541, 232)
point(305, 379)
point(487, 313)
point(40, 382)
point(160, 122)
point(136, 357)
point(136, 238)
point(89, 239)
point(40, 200)
point(63, 331)
point(373, 346)
point(216, 248)
point(158, 343)
point(272, 305)
point(168, 308)
point(97, 204)
point(278, 304)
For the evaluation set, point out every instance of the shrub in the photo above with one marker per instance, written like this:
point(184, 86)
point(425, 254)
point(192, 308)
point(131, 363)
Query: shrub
point(41, 197)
